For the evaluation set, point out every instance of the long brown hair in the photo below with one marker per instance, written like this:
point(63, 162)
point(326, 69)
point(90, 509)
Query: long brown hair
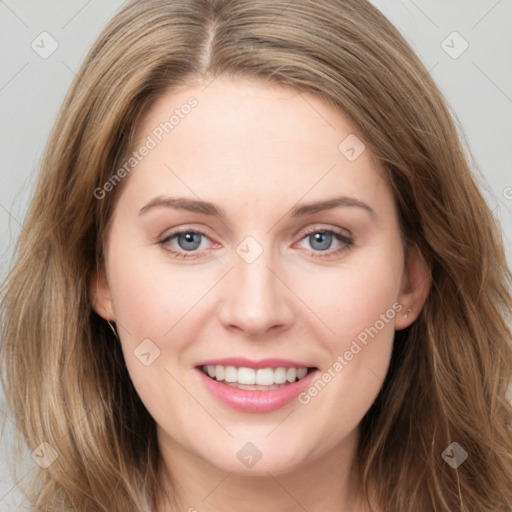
point(64, 374)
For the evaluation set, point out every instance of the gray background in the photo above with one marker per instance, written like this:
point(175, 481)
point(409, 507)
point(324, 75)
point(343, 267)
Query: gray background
point(477, 84)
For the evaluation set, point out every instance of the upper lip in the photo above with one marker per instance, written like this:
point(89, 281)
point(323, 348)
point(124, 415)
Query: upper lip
point(240, 362)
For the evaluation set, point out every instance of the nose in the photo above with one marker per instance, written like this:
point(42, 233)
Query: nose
point(256, 301)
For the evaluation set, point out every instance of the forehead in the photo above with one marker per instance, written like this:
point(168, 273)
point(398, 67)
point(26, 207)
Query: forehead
point(240, 140)
point(248, 112)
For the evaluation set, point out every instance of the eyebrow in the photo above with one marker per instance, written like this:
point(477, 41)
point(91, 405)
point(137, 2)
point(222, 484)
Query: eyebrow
point(207, 208)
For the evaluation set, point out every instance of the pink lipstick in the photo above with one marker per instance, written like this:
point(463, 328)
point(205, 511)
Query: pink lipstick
point(255, 386)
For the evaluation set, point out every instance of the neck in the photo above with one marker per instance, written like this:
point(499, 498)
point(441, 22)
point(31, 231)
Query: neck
point(327, 482)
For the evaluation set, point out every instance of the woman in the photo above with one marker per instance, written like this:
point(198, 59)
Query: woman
point(179, 334)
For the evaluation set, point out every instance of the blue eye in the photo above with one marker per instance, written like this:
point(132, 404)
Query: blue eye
point(324, 240)
point(321, 240)
point(187, 243)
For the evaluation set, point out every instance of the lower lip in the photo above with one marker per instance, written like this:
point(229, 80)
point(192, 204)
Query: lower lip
point(256, 401)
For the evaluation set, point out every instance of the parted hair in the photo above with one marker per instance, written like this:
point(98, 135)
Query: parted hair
point(63, 371)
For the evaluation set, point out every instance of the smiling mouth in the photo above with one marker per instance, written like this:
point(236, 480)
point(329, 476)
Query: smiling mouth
point(262, 379)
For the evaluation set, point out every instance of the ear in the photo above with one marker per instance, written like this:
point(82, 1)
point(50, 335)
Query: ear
point(414, 289)
point(99, 290)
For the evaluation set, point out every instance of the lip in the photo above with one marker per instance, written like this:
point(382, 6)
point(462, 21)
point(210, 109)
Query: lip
point(256, 365)
point(256, 401)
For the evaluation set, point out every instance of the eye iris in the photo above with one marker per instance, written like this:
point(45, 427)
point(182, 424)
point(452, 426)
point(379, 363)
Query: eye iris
point(191, 241)
point(324, 240)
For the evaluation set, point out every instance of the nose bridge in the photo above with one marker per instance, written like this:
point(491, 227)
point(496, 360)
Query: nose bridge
point(256, 300)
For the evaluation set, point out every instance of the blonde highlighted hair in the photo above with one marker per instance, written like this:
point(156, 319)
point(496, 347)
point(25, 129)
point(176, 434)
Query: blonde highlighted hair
point(64, 374)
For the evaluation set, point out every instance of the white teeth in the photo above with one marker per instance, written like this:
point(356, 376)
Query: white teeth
point(291, 374)
point(246, 376)
point(230, 375)
point(250, 377)
point(265, 377)
point(280, 375)
point(219, 372)
point(301, 373)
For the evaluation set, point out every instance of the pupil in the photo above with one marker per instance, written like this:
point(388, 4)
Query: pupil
point(324, 240)
point(190, 241)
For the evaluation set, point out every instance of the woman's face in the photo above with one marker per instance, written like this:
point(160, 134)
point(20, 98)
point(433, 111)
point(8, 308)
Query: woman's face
point(290, 258)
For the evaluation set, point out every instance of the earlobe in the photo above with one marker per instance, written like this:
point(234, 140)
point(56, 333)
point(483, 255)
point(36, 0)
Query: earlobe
point(414, 290)
point(99, 290)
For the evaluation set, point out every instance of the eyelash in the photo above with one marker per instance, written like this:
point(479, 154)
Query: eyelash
point(347, 241)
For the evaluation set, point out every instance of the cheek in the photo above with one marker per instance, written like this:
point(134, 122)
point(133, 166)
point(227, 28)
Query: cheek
point(164, 303)
point(355, 295)
point(359, 305)
point(154, 306)
point(150, 296)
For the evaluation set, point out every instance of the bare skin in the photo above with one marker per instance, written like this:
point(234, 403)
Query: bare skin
point(257, 151)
